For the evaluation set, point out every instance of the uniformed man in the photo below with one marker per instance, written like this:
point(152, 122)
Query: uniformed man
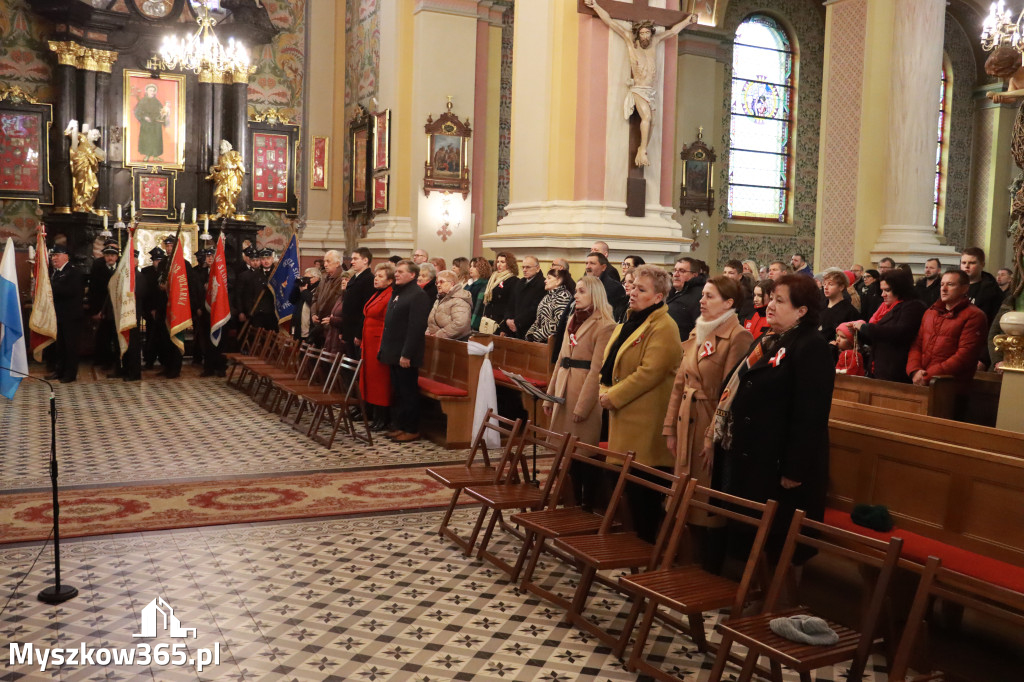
point(68, 288)
point(101, 309)
point(254, 297)
point(151, 304)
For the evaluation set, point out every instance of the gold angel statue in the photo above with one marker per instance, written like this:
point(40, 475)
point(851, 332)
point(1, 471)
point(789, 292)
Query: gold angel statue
point(227, 175)
point(85, 159)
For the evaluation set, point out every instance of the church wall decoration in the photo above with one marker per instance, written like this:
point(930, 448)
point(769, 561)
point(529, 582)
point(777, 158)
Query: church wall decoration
point(381, 140)
point(154, 192)
point(154, 119)
point(148, 235)
point(24, 147)
point(696, 191)
point(380, 194)
point(447, 165)
point(273, 146)
point(319, 162)
point(359, 162)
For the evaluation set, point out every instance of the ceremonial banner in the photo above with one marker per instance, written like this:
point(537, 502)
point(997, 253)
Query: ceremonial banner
point(179, 311)
point(217, 293)
point(43, 322)
point(282, 281)
point(12, 334)
point(122, 295)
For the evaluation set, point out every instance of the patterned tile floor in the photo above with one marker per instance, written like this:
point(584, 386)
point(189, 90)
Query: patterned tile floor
point(380, 598)
point(183, 429)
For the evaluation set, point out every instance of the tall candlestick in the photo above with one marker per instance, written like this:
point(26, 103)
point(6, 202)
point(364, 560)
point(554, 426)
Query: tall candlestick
point(133, 209)
point(183, 210)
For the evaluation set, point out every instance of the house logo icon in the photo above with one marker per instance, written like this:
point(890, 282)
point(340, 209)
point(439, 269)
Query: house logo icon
point(158, 614)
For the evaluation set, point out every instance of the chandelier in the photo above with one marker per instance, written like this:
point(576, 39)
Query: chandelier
point(203, 51)
point(1000, 29)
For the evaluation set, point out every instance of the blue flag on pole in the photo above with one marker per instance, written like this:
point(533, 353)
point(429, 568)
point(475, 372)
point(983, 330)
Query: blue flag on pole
point(282, 281)
point(12, 333)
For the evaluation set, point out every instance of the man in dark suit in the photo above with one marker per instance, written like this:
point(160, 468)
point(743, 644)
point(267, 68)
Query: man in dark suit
point(100, 308)
point(68, 298)
point(598, 266)
point(401, 348)
point(151, 304)
point(358, 292)
point(522, 307)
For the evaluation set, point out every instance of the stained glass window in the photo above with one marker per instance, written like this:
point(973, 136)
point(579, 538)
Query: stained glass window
point(943, 113)
point(759, 136)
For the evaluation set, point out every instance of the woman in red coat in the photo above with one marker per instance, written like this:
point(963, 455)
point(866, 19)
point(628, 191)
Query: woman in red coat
point(757, 324)
point(375, 380)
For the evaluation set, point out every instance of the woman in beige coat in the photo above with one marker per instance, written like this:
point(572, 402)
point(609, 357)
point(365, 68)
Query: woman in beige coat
point(715, 347)
point(577, 372)
point(636, 382)
point(450, 316)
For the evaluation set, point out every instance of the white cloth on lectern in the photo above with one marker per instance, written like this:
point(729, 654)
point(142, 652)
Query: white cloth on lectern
point(486, 393)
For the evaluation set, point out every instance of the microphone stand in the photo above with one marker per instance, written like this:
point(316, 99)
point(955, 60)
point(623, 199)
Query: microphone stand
point(56, 593)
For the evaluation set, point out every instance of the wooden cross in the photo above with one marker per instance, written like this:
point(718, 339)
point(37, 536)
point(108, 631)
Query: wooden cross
point(638, 10)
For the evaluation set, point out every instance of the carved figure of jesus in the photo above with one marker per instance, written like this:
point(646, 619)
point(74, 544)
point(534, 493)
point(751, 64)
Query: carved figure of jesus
point(640, 44)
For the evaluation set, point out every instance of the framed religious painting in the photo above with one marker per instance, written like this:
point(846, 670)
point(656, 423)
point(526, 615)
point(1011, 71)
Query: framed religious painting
point(274, 152)
point(153, 117)
point(447, 165)
point(380, 194)
point(24, 147)
point(381, 140)
point(697, 189)
point(318, 162)
point(360, 135)
point(148, 235)
point(153, 190)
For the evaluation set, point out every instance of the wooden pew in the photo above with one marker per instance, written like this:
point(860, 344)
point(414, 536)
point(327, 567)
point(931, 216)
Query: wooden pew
point(531, 360)
point(449, 375)
point(935, 400)
point(963, 489)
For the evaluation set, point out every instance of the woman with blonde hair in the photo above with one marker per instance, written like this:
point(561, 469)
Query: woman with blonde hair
point(499, 291)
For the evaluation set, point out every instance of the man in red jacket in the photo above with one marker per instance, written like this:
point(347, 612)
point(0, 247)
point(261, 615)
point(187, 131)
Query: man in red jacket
point(952, 335)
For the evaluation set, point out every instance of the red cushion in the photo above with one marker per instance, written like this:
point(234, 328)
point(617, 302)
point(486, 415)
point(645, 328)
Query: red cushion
point(918, 548)
point(500, 377)
point(440, 389)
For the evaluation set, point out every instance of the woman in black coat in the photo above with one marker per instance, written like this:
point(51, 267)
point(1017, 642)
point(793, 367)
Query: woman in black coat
point(771, 426)
point(893, 327)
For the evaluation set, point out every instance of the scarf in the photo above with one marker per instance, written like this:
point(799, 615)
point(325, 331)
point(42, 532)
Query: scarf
point(706, 328)
point(626, 329)
point(723, 421)
point(578, 318)
point(882, 311)
point(495, 280)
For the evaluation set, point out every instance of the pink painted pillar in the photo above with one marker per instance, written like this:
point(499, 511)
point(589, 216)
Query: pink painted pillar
point(479, 133)
point(668, 117)
point(591, 108)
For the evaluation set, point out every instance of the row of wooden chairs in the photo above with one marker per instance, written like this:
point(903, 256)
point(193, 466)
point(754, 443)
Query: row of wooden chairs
point(283, 375)
point(658, 582)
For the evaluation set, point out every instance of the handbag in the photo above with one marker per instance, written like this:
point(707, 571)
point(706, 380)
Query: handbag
point(488, 326)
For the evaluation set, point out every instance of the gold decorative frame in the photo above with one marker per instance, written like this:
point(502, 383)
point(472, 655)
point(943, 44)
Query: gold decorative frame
point(319, 162)
point(447, 165)
point(380, 194)
point(127, 117)
point(16, 102)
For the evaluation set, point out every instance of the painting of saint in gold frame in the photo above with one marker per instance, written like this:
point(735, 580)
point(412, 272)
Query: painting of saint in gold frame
point(154, 119)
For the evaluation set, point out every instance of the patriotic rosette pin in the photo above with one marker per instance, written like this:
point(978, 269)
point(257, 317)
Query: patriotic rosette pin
point(777, 358)
point(707, 349)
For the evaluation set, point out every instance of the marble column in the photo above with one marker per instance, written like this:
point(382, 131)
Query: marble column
point(66, 109)
point(907, 234)
point(207, 143)
point(238, 124)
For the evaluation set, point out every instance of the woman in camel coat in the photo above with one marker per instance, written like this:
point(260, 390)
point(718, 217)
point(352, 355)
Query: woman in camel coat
point(577, 374)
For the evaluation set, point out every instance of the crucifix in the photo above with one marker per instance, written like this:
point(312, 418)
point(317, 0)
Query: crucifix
point(640, 101)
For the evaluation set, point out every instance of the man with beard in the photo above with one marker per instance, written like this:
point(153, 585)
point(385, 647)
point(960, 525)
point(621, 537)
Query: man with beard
point(927, 288)
point(640, 44)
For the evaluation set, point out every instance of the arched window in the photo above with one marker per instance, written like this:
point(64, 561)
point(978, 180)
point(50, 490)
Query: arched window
point(760, 150)
point(940, 148)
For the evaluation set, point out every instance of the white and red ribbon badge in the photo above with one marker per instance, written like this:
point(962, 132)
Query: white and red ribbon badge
point(572, 340)
point(777, 358)
point(707, 349)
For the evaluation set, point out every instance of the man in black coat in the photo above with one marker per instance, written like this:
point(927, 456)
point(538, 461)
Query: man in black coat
point(522, 307)
point(684, 300)
point(598, 266)
point(357, 293)
point(254, 299)
point(984, 291)
point(100, 308)
point(151, 304)
point(68, 287)
point(927, 288)
point(401, 348)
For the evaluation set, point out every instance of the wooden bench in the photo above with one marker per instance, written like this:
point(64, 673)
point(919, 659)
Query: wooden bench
point(529, 359)
point(449, 375)
point(953, 495)
point(935, 400)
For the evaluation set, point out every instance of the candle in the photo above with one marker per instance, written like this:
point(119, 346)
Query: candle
point(119, 213)
point(193, 215)
point(133, 209)
point(206, 224)
point(104, 222)
point(183, 210)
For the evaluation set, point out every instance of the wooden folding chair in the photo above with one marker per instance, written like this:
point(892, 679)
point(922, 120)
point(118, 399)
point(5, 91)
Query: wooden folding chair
point(253, 338)
point(335, 406)
point(285, 369)
point(256, 349)
point(689, 589)
point(936, 582)
point(755, 633)
point(303, 378)
point(609, 550)
point(472, 472)
point(269, 358)
point(562, 519)
point(321, 381)
point(512, 492)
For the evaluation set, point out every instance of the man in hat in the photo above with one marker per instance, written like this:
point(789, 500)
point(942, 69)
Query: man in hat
point(201, 318)
point(101, 308)
point(151, 304)
point(68, 293)
point(254, 298)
